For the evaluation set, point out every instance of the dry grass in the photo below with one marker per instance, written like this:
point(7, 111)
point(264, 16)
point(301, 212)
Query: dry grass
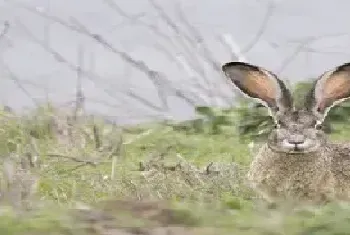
point(95, 178)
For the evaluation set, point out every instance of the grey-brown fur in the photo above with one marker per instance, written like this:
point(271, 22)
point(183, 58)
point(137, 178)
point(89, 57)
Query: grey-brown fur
point(297, 162)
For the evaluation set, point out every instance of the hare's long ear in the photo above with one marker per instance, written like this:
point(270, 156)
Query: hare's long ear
point(260, 84)
point(329, 89)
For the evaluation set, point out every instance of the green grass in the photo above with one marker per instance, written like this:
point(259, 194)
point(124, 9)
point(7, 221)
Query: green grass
point(194, 182)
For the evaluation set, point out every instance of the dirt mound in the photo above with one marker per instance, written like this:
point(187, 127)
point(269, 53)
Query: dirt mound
point(123, 217)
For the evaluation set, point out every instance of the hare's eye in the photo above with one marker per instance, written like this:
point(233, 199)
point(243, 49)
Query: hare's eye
point(278, 124)
point(318, 126)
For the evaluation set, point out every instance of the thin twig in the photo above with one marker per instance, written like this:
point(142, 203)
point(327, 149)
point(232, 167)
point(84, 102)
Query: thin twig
point(87, 162)
point(79, 95)
point(91, 76)
point(146, 133)
point(97, 138)
point(190, 59)
point(261, 30)
point(17, 81)
point(5, 30)
point(302, 44)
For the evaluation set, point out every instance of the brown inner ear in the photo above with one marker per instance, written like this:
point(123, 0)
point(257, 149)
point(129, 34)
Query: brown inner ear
point(336, 87)
point(260, 86)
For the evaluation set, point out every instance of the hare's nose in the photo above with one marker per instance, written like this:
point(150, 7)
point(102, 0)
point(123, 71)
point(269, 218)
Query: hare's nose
point(296, 139)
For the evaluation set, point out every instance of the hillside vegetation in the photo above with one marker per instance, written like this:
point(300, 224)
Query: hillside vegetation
point(72, 175)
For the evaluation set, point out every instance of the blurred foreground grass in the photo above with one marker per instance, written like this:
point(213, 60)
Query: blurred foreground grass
point(67, 175)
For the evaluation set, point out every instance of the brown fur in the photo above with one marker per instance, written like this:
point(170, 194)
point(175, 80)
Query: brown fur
point(317, 177)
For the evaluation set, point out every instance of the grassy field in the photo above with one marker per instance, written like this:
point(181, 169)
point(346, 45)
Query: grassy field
point(88, 177)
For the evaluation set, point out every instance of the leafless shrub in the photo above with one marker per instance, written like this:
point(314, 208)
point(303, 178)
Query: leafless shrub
point(19, 181)
point(166, 175)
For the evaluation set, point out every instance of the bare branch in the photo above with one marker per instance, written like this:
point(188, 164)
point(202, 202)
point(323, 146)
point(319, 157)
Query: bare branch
point(229, 42)
point(295, 53)
point(261, 30)
point(169, 21)
point(316, 51)
point(5, 30)
point(59, 58)
point(303, 44)
point(79, 97)
point(17, 81)
point(190, 56)
point(97, 138)
point(78, 166)
point(161, 83)
point(136, 19)
point(89, 75)
point(199, 40)
point(192, 65)
point(86, 162)
point(180, 34)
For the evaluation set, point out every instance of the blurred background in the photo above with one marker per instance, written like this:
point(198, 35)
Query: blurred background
point(138, 60)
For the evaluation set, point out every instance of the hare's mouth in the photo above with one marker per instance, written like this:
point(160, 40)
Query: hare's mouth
point(296, 148)
point(308, 146)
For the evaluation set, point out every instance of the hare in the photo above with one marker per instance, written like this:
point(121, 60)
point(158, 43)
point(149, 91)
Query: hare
point(297, 161)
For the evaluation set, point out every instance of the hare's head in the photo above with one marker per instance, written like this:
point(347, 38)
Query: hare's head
point(297, 130)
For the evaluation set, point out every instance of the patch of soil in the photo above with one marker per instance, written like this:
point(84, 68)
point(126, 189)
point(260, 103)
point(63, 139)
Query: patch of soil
point(126, 217)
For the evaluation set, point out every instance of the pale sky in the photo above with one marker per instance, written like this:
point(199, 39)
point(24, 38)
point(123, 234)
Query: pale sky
point(290, 23)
